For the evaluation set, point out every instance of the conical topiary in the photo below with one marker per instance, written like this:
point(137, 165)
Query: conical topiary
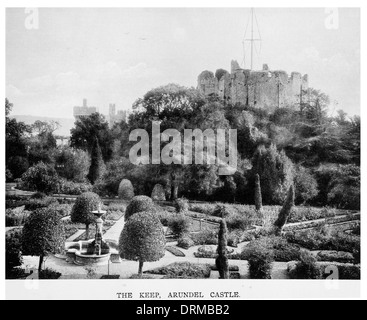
point(258, 197)
point(222, 259)
point(285, 211)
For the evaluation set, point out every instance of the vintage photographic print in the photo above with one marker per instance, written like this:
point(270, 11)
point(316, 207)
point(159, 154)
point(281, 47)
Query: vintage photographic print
point(182, 143)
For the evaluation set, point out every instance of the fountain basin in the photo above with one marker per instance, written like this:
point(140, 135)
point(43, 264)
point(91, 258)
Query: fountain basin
point(83, 259)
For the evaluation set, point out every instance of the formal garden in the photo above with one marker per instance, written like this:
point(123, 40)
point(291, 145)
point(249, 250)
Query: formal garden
point(84, 211)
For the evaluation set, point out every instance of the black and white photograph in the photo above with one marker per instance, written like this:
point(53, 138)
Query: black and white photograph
point(184, 152)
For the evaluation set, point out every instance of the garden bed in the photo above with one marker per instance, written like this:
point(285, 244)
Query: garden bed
point(183, 270)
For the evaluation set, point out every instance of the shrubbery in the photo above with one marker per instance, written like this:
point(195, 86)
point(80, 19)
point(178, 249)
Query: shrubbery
point(16, 217)
point(74, 188)
point(184, 270)
point(126, 190)
point(281, 250)
point(306, 268)
point(185, 242)
point(325, 240)
point(205, 236)
point(182, 205)
point(179, 224)
point(41, 177)
point(34, 204)
point(276, 173)
point(158, 193)
point(260, 259)
point(13, 251)
point(139, 204)
point(238, 222)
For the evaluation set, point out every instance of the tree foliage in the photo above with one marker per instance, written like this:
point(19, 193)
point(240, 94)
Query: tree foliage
point(97, 166)
point(43, 234)
point(83, 207)
point(41, 177)
point(86, 129)
point(142, 239)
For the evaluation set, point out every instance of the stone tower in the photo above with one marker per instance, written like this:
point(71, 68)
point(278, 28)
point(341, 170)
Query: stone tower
point(262, 89)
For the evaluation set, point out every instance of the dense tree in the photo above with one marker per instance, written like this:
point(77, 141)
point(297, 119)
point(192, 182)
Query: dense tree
point(86, 129)
point(72, 164)
point(43, 234)
point(305, 183)
point(97, 166)
point(41, 177)
point(142, 239)
point(285, 211)
point(276, 173)
point(82, 210)
point(16, 143)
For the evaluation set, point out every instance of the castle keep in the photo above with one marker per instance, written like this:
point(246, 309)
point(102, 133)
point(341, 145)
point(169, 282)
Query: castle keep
point(262, 89)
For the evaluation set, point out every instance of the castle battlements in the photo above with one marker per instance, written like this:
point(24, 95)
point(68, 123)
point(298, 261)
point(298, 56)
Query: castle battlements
point(263, 89)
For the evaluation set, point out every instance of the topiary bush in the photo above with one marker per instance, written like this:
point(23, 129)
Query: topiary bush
point(182, 205)
point(179, 224)
point(142, 239)
point(221, 261)
point(43, 234)
point(82, 210)
point(139, 204)
point(260, 259)
point(306, 268)
point(258, 197)
point(285, 212)
point(158, 193)
point(126, 190)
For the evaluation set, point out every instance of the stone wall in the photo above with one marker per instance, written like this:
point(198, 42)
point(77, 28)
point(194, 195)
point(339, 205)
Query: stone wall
point(263, 89)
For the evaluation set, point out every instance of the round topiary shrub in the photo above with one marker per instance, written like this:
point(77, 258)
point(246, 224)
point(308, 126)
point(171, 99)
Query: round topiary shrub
point(126, 190)
point(139, 204)
point(158, 193)
point(43, 234)
point(82, 209)
point(142, 239)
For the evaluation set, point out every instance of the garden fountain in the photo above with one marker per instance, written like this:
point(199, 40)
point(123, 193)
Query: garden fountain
point(95, 251)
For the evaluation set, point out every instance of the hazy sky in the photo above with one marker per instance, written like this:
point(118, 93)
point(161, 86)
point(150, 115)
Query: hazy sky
point(117, 55)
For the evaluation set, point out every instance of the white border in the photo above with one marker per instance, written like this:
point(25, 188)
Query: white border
point(285, 289)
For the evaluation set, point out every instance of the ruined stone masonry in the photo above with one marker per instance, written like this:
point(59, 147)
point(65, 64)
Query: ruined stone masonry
point(262, 89)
